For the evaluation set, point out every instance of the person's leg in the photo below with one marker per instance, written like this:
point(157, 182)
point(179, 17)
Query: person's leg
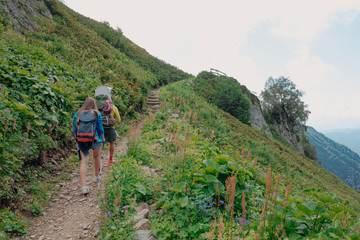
point(97, 155)
point(83, 165)
point(111, 151)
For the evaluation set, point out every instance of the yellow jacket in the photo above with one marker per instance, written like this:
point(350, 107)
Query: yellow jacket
point(116, 115)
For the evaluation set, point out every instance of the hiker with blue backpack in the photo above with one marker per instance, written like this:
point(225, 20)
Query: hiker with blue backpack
point(89, 133)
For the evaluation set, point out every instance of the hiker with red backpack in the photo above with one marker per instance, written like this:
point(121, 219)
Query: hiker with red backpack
point(89, 133)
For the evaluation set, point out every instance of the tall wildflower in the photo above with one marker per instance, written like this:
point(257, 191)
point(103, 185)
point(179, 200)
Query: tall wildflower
point(210, 234)
point(230, 193)
point(14, 125)
point(28, 129)
point(221, 228)
point(243, 204)
point(6, 127)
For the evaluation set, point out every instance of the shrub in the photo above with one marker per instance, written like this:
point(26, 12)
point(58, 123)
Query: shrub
point(225, 92)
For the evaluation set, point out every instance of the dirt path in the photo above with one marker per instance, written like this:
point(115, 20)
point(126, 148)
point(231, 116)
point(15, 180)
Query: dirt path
point(72, 215)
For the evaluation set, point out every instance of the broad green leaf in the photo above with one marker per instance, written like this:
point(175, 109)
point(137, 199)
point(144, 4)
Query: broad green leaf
point(183, 201)
point(210, 178)
point(210, 169)
point(304, 209)
point(311, 205)
point(198, 178)
point(295, 236)
point(178, 187)
point(222, 159)
point(141, 188)
point(323, 197)
point(39, 123)
point(334, 236)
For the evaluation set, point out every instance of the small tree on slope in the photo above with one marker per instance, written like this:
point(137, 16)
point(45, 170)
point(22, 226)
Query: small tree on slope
point(281, 99)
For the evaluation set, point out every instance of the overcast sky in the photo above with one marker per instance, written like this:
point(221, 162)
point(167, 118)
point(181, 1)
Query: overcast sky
point(316, 43)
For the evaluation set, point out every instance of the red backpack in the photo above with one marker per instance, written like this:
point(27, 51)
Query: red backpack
point(86, 128)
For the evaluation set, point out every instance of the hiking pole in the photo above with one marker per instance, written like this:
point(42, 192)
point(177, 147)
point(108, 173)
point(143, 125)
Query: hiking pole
point(78, 148)
point(101, 160)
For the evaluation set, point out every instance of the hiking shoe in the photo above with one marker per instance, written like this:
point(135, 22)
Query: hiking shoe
point(111, 161)
point(97, 179)
point(85, 190)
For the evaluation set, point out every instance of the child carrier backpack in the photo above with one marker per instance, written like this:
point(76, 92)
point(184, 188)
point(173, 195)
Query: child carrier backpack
point(86, 128)
point(104, 103)
point(108, 107)
point(107, 117)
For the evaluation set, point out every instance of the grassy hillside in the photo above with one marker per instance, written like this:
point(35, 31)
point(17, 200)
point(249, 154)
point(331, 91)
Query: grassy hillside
point(337, 158)
point(293, 166)
point(214, 177)
point(44, 75)
point(101, 50)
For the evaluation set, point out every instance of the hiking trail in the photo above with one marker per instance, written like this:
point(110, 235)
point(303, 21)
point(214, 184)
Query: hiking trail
point(71, 215)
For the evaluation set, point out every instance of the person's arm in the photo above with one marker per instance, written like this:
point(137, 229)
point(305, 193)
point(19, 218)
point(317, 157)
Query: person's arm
point(74, 123)
point(99, 125)
point(116, 114)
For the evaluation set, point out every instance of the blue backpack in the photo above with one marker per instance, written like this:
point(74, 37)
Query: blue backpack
point(86, 128)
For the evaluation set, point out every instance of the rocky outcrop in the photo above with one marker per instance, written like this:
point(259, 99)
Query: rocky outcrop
point(258, 121)
point(289, 135)
point(23, 13)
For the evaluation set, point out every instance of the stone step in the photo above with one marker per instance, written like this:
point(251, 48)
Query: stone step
point(153, 97)
point(154, 103)
point(144, 235)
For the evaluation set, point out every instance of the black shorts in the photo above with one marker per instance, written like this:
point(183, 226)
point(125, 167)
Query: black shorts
point(110, 134)
point(85, 147)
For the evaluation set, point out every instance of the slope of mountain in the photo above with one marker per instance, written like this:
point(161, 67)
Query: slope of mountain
point(56, 58)
point(337, 158)
point(348, 137)
point(51, 59)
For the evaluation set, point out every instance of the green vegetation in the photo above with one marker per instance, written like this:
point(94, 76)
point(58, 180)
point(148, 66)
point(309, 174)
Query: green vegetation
point(273, 153)
point(37, 97)
point(225, 92)
point(336, 158)
point(45, 75)
point(206, 187)
point(212, 168)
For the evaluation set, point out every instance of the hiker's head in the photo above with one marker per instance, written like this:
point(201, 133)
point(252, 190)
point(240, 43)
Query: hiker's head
point(89, 104)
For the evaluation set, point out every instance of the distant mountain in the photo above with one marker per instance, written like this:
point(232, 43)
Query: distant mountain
point(348, 137)
point(336, 158)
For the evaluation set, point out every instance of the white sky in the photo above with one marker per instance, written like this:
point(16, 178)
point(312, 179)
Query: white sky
point(316, 43)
